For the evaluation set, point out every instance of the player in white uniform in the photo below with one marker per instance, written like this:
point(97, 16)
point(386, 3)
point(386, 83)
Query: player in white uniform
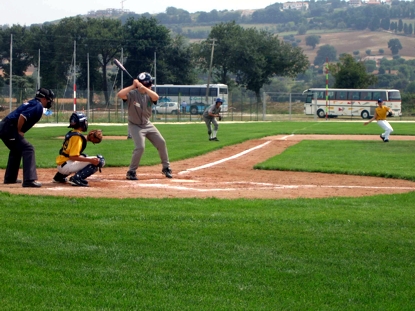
point(209, 116)
point(140, 98)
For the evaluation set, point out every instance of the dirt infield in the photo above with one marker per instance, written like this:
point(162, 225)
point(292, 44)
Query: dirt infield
point(225, 173)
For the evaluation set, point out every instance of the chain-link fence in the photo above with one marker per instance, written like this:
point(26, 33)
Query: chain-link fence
point(241, 106)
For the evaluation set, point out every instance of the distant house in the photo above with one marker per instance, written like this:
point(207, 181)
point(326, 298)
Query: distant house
point(355, 3)
point(373, 2)
point(295, 6)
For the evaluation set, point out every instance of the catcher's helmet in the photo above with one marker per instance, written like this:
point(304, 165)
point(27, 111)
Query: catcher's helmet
point(146, 79)
point(219, 100)
point(78, 120)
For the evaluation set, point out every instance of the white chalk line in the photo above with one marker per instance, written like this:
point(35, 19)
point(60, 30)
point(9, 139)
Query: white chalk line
point(224, 160)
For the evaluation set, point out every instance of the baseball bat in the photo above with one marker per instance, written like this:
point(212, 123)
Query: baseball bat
point(119, 65)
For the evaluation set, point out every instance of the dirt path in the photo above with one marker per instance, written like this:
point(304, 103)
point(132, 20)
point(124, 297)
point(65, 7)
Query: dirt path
point(225, 173)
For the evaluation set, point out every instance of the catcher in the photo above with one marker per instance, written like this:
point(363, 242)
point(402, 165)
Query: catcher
point(381, 112)
point(209, 116)
point(71, 158)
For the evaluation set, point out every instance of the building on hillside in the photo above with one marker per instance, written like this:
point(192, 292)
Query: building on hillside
point(373, 2)
point(355, 3)
point(295, 6)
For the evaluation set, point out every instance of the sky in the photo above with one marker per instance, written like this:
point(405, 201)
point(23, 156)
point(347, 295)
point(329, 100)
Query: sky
point(27, 12)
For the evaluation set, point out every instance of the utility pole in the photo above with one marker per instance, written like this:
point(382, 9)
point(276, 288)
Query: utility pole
point(210, 71)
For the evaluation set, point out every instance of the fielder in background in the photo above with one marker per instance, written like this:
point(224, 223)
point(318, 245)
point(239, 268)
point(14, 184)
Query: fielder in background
point(210, 115)
point(140, 99)
point(380, 116)
point(71, 158)
point(12, 131)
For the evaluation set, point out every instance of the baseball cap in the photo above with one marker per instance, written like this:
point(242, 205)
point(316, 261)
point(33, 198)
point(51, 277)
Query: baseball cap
point(219, 100)
point(380, 100)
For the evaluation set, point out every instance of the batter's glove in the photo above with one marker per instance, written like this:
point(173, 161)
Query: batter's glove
point(95, 136)
point(220, 118)
point(101, 162)
point(390, 114)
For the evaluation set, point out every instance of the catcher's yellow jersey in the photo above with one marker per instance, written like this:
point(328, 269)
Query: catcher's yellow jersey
point(381, 113)
point(71, 147)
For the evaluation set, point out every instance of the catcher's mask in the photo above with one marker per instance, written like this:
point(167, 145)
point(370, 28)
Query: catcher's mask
point(46, 93)
point(145, 79)
point(78, 120)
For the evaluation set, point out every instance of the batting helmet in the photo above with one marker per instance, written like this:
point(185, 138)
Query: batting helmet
point(219, 100)
point(78, 120)
point(146, 79)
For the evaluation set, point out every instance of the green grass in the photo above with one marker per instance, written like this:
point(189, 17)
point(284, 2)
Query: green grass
point(59, 253)
point(372, 158)
point(189, 140)
point(188, 254)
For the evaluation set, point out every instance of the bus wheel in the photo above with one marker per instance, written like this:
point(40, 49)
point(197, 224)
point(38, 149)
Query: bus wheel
point(321, 113)
point(193, 110)
point(365, 114)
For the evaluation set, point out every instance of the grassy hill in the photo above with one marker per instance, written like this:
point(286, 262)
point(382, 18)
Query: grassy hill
point(349, 41)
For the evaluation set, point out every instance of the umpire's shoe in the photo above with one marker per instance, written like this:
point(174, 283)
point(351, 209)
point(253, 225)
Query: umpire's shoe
point(77, 182)
point(31, 184)
point(131, 175)
point(167, 172)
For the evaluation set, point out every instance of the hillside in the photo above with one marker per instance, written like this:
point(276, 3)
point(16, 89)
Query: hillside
point(347, 42)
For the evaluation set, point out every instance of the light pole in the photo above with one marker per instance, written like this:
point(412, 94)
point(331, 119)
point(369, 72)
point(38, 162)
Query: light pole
point(210, 70)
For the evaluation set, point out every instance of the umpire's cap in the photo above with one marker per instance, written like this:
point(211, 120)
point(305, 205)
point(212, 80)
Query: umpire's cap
point(45, 93)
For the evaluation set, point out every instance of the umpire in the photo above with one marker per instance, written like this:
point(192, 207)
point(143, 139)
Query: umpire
point(12, 130)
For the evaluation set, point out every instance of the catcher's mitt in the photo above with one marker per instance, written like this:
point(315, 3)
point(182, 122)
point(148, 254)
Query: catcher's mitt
point(390, 114)
point(95, 136)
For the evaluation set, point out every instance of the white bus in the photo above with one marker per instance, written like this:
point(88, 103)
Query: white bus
point(194, 95)
point(349, 102)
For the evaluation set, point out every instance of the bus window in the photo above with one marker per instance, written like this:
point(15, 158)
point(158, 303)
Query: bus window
point(331, 95)
point(213, 92)
point(173, 91)
point(196, 92)
point(394, 95)
point(366, 95)
point(342, 95)
point(379, 94)
point(223, 91)
point(354, 95)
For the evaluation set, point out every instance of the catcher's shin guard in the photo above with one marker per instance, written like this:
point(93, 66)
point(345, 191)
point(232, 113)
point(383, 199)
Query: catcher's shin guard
point(86, 172)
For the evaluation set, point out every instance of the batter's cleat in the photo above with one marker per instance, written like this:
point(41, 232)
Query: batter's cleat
point(381, 137)
point(215, 139)
point(77, 182)
point(131, 175)
point(386, 140)
point(167, 172)
point(31, 184)
point(17, 181)
point(60, 178)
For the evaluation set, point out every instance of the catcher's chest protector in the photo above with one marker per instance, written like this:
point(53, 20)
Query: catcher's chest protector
point(66, 142)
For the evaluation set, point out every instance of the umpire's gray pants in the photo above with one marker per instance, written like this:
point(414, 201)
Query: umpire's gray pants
point(139, 133)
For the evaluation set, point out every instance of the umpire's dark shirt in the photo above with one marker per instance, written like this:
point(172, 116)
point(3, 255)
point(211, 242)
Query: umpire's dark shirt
point(31, 110)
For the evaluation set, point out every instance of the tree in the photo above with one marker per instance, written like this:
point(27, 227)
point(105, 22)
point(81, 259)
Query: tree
point(325, 52)
point(394, 45)
point(108, 32)
point(312, 41)
point(350, 73)
point(260, 55)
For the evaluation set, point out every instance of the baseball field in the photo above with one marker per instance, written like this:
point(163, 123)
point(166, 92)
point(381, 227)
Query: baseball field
point(274, 216)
